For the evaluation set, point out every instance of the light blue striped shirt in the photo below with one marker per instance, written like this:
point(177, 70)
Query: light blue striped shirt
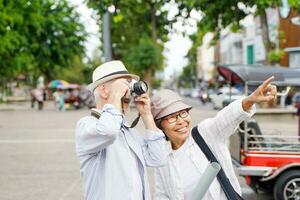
point(109, 152)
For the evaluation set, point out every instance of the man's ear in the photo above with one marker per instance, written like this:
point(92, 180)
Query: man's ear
point(103, 91)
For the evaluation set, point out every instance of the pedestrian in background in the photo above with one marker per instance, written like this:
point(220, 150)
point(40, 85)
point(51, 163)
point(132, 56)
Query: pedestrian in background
point(37, 96)
point(61, 100)
point(113, 157)
point(186, 162)
point(55, 96)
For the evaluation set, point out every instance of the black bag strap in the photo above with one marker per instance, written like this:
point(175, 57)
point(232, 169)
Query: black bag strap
point(228, 189)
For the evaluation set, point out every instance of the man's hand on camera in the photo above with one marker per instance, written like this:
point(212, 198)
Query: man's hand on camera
point(119, 89)
point(143, 105)
point(266, 92)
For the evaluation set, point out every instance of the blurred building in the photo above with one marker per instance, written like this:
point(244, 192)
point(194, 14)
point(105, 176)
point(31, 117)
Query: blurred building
point(290, 25)
point(231, 49)
point(206, 59)
point(247, 46)
point(254, 51)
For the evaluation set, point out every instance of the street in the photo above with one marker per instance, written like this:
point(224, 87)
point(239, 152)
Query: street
point(37, 153)
point(56, 53)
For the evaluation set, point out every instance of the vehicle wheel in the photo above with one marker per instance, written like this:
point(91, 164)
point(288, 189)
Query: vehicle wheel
point(287, 186)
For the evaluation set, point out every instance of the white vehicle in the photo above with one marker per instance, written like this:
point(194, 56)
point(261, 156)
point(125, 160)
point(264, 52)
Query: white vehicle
point(224, 96)
point(195, 92)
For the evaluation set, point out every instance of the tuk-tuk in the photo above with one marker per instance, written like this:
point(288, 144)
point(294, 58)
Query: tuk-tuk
point(270, 161)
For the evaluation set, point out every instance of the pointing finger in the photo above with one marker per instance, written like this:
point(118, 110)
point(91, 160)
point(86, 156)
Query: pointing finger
point(267, 82)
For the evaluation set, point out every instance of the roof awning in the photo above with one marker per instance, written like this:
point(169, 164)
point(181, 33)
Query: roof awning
point(256, 74)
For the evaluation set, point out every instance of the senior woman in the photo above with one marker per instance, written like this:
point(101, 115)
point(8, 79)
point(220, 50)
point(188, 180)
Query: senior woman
point(186, 162)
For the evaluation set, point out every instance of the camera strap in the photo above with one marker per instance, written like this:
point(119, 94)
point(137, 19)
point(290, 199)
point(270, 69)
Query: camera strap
point(135, 121)
point(97, 115)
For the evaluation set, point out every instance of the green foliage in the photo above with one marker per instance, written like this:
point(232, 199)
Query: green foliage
point(143, 55)
point(90, 67)
point(38, 37)
point(156, 83)
point(74, 72)
point(275, 56)
point(139, 30)
point(79, 72)
point(220, 14)
point(190, 70)
point(136, 23)
point(295, 4)
point(185, 79)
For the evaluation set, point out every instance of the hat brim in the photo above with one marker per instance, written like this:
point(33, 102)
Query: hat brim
point(173, 108)
point(92, 86)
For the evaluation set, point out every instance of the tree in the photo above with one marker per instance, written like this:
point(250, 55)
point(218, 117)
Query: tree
point(189, 71)
point(71, 73)
point(219, 14)
point(38, 37)
point(91, 65)
point(139, 30)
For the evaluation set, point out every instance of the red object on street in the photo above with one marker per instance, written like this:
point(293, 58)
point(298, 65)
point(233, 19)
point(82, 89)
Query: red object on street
point(267, 159)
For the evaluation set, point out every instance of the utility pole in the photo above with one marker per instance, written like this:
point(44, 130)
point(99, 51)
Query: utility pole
point(106, 37)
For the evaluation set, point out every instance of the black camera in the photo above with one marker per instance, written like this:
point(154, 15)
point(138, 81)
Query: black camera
point(138, 88)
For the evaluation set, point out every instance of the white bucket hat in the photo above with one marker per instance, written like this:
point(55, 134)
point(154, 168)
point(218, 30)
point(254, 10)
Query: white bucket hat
point(108, 71)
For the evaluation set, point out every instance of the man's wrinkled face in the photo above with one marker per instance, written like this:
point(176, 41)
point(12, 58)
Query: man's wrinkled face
point(177, 126)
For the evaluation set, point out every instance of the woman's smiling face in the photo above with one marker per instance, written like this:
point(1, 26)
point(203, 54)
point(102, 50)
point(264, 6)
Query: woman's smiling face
point(177, 127)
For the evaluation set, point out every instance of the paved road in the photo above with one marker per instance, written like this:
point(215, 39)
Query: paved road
point(37, 153)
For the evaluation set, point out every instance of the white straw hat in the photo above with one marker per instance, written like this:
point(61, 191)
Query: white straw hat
point(108, 71)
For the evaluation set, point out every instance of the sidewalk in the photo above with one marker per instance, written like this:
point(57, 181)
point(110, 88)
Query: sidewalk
point(14, 106)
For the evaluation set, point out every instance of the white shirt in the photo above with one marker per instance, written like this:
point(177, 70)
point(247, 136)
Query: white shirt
point(113, 158)
point(137, 192)
point(188, 172)
point(175, 180)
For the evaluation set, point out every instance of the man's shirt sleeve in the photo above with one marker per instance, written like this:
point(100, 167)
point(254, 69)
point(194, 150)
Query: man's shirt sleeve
point(154, 148)
point(93, 135)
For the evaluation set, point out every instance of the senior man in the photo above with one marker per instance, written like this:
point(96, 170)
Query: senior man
point(113, 157)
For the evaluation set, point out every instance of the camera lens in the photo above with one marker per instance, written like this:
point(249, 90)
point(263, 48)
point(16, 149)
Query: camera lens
point(140, 88)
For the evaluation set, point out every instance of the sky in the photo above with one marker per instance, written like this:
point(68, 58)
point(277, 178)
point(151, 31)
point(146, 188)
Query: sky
point(175, 49)
point(93, 42)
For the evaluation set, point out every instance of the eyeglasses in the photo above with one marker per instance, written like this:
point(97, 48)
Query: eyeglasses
point(173, 118)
